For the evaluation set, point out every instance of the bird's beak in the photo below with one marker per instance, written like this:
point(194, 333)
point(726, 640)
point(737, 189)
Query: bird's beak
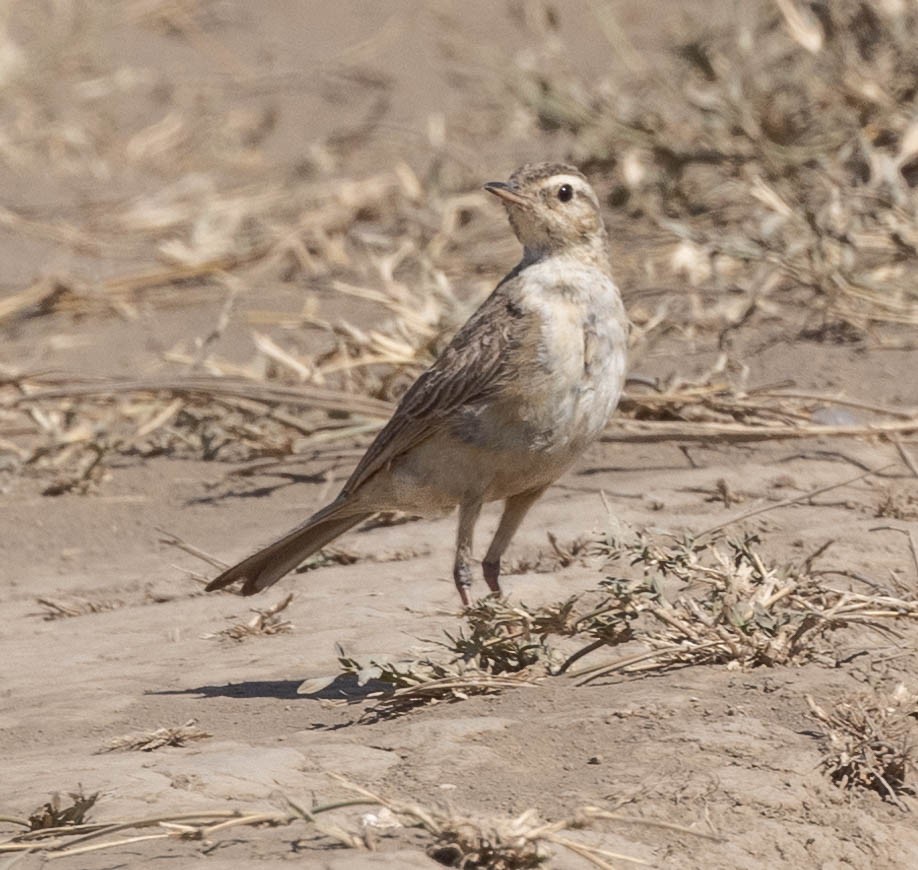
point(507, 193)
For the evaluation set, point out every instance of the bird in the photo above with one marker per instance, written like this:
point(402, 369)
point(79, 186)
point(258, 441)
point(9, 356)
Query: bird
point(525, 386)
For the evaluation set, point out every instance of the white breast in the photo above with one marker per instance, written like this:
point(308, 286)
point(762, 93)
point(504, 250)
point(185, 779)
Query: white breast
point(582, 350)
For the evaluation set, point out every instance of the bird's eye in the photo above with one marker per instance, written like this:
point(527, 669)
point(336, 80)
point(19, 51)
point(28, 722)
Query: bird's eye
point(565, 193)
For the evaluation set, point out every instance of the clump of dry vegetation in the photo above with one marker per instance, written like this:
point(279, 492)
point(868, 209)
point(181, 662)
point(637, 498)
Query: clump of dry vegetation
point(150, 740)
point(64, 608)
point(683, 602)
point(495, 843)
point(452, 839)
point(748, 613)
point(502, 645)
point(265, 622)
point(869, 742)
point(411, 683)
point(720, 404)
point(75, 837)
point(55, 814)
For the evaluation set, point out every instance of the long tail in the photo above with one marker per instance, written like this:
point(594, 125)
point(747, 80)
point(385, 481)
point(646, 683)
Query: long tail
point(267, 566)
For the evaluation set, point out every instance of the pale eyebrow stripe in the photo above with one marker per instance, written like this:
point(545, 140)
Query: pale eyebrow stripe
point(573, 180)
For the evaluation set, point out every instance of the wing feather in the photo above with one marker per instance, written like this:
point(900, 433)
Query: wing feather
point(472, 367)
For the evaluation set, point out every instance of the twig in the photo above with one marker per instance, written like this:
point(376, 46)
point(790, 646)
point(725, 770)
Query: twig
point(66, 853)
point(597, 671)
point(592, 854)
point(906, 456)
point(43, 294)
point(302, 396)
point(173, 540)
point(223, 320)
point(599, 813)
point(648, 432)
point(101, 830)
point(838, 400)
point(126, 284)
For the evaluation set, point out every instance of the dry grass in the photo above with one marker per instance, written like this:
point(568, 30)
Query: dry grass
point(869, 742)
point(684, 602)
point(511, 843)
point(755, 163)
point(503, 645)
point(68, 432)
point(150, 740)
point(209, 221)
point(748, 614)
point(411, 683)
point(452, 839)
point(785, 170)
point(782, 156)
point(55, 814)
point(64, 608)
point(264, 623)
point(74, 839)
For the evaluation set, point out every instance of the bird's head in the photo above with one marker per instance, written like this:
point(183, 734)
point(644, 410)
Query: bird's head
point(552, 209)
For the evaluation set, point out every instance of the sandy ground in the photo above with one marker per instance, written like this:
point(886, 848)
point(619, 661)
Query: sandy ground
point(729, 753)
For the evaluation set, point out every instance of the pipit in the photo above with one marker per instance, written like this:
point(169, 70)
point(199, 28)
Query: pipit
point(525, 386)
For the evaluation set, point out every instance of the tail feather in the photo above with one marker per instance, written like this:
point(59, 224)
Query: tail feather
point(267, 566)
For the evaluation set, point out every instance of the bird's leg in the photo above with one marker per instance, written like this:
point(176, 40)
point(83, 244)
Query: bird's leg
point(462, 567)
point(515, 508)
point(491, 570)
